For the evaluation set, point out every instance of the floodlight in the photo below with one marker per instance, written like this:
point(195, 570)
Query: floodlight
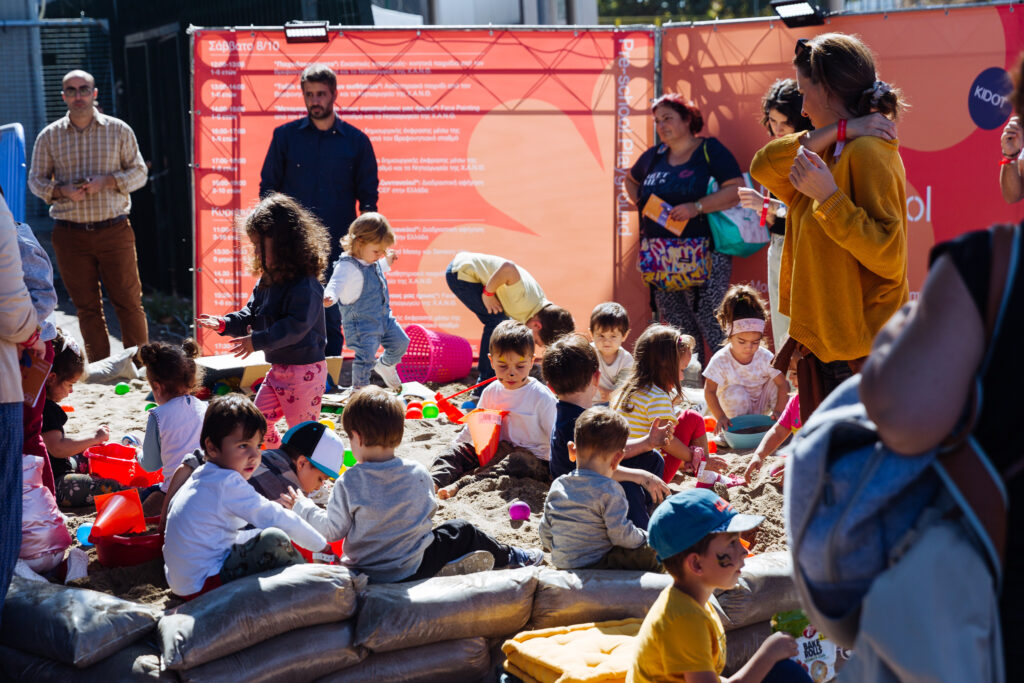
point(796, 13)
point(305, 32)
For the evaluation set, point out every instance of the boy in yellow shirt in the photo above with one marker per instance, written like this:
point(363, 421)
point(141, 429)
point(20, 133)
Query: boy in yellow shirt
point(696, 536)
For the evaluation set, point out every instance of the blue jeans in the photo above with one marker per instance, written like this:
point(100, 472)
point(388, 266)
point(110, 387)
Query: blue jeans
point(636, 495)
point(11, 435)
point(365, 335)
point(787, 671)
point(470, 294)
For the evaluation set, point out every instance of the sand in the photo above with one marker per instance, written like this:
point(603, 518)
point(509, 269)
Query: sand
point(484, 503)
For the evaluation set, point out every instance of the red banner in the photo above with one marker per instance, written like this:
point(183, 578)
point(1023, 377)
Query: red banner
point(505, 142)
point(951, 66)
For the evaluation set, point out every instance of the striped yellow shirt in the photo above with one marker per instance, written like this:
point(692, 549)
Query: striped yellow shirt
point(645, 406)
point(65, 154)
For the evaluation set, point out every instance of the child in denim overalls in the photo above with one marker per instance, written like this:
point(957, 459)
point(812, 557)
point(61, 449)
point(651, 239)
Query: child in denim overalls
point(358, 284)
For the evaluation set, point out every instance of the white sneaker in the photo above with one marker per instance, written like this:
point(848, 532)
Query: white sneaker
point(471, 563)
point(389, 373)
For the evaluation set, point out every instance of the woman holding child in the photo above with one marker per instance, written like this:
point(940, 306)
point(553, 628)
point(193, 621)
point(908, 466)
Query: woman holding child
point(677, 172)
point(844, 260)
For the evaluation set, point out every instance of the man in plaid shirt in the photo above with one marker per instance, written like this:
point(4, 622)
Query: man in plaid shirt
point(84, 165)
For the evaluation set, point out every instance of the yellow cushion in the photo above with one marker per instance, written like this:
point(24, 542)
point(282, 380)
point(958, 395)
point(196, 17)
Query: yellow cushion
point(583, 653)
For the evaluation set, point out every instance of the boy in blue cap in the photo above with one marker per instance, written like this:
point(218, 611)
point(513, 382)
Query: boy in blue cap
point(696, 535)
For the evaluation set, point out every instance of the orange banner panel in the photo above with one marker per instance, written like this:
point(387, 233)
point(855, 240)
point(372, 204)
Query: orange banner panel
point(504, 142)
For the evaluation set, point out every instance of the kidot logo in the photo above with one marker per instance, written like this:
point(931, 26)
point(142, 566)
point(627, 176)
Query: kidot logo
point(988, 101)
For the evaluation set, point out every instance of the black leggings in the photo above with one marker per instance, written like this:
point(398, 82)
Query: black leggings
point(451, 541)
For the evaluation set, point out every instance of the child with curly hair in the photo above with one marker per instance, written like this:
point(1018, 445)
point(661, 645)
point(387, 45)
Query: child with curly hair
point(358, 284)
point(740, 379)
point(172, 430)
point(284, 317)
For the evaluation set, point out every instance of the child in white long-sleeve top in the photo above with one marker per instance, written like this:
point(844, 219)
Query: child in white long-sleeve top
point(173, 427)
point(204, 542)
point(585, 522)
point(609, 326)
point(384, 506)
point(358, 284)
point(531, 415)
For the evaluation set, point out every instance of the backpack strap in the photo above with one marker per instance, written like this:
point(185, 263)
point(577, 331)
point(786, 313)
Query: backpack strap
point(969, 474)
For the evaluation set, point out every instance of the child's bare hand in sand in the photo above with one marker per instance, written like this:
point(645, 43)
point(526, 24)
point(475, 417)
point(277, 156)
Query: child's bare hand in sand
point(753, 467)
point(212, 322)
point(717, 463)
point(287, 500)
point(102, 434)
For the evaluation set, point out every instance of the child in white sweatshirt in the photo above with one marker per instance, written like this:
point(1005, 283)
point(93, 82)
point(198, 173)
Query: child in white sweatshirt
point(204, 542)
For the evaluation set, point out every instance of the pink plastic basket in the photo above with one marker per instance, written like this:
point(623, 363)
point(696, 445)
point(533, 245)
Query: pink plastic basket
point(434, 356)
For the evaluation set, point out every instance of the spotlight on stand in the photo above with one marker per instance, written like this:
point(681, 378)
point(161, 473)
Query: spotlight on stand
point(305, 32)
point(796, 13)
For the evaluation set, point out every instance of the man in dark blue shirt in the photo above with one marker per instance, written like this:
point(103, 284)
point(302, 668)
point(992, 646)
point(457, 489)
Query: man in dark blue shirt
point(327, 165)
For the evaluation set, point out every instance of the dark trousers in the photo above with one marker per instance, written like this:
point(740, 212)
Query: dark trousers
point(10, 492)
point(451, 541)
point(335, 336)
point(786, 671)
point(639, 500)
point(470, 293)
point(459, 463)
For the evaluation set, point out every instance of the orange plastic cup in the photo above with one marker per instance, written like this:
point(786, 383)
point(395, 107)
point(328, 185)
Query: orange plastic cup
point(710, 423)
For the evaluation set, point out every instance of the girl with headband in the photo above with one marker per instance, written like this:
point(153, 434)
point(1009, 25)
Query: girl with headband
point(740, 377)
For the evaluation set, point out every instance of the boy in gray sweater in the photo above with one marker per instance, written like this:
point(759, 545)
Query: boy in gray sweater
point(384, 506)
point(585, 525)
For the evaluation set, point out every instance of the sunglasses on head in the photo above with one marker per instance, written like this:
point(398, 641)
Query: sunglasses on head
point(802, 45)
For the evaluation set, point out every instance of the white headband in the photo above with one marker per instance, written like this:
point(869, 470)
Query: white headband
point(746, 325)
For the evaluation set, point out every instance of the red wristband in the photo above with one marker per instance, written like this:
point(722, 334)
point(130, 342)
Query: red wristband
point(486, 293)
point(31, 340)
point(840, 136)
point(764, 209)
point(1006, 161)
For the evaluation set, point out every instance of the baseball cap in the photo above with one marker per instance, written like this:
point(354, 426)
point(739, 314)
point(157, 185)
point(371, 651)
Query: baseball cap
point(321, 445)
point(684, 518)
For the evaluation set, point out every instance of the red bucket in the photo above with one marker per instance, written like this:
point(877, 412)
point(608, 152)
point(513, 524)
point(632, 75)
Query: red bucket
point(128, 551)
point(307, 555)
point(117, 462)
point(434, 356)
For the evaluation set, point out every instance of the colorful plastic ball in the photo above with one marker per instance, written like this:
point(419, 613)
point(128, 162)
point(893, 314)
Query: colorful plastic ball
point(413, 414)
point(122, 388)
point(150, 406)
point(328, 423)
point(415, 404)
point(350, 460)
point(519, 510)
point(203, 393)
point(430, 411)
point(221, 388)
point(82, 534)
point(469, 405)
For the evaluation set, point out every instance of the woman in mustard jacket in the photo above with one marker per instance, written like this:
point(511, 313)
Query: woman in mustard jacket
point(844, 261)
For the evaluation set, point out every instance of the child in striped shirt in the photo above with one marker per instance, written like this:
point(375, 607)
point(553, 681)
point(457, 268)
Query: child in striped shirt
point(660, 359)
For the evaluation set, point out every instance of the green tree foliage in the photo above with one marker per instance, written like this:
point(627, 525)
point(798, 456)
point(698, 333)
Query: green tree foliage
point(648, 11)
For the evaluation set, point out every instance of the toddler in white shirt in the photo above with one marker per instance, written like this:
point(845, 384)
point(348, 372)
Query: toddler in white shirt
point(204, 542)
point(609, 327)
point(531, 417)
